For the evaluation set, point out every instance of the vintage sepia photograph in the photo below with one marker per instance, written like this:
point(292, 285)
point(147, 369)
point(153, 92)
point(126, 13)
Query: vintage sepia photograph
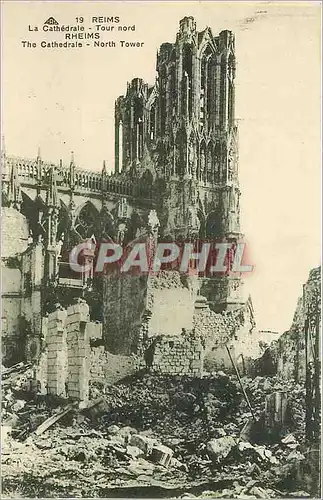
point(161, 249)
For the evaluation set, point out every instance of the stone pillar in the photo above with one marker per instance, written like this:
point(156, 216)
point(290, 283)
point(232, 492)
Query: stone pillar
point(78, 351)
point(41, 370)
point(57, 353)
point(37, 266)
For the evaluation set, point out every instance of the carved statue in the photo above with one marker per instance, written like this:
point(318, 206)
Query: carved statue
point(122, 229)
point(194, 223)
point(123, 209)
point(231, 161)
point(191, 166)
point(233, 202)
point(59, 245)
point(153, 222)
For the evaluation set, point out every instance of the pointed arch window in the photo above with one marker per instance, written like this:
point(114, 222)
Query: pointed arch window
point(138, 132)
point(231, 70)
point(87, 222)
point(206, 87)
point(152, 122)
point(187, 80)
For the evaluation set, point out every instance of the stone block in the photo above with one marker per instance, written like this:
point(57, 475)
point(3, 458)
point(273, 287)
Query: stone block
point(58, 315)
point(73, 394)
point(71, 362)
point(73, 369)
point(53, 342)
point(70, 310)
point(51, 333)
point(72, 387)
point(84, 318)
point(161, 455)
point(51, 345)
point(72, 318)
point(71, 339)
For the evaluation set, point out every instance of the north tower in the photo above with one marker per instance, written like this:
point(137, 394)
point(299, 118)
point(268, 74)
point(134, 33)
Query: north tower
point(180, 137)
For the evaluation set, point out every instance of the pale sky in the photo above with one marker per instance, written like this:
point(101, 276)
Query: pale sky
point(63, 100)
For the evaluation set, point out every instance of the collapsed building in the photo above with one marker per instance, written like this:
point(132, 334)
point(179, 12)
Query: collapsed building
point(176, 179)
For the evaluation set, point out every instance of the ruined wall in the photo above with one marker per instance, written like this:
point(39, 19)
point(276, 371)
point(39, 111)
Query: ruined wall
point(286, 356)
point(140, 307)
point(13, 347)
point(150, 316)
point(124, 301)
point(233, 328)
point(73, 357)
point(176, 355)
point(107, 368)
point(171, 304)
point(22, 273)
point(97, 363)
point(78, 347)
point(57, 363)
point(14, 241)
point(63, 369)
point(77, 359)
point(32, 268)
point(14, 232)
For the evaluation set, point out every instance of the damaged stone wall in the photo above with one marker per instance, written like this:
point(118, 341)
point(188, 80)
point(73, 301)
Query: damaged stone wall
point(57, 363)
point(32, 265)
point(176, 355)
point(73, 355)
point(124, 300)
point(22, 272)
point(170, 302)
point(64, 363)
point(140, 307)
point(14, 232)
point(286, 356)
point(14, 241)
point(234, 328)
point(148, 315)
point(78, 351)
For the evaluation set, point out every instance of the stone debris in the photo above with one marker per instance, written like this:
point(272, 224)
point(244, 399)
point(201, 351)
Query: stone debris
point(174, 432)
point(143, 442)
point(219, 448)
point(295, 455)
point(290, 441)
point(161, 455)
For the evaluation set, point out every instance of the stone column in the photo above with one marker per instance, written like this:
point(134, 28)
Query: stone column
point(57, 353)
point(41, 370)
point(78, 351)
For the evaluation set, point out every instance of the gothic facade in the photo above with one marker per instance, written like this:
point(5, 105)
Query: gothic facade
point(180, 136)
point(176, 166)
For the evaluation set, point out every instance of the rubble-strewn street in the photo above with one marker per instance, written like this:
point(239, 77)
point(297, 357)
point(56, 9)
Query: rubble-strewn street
point(158, 436)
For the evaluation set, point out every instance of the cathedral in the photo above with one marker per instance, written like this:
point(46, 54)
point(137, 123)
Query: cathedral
point(175, 179)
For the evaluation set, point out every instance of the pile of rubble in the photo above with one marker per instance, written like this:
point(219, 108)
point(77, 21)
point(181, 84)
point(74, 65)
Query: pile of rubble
point(24, 407)
point(157, 436)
